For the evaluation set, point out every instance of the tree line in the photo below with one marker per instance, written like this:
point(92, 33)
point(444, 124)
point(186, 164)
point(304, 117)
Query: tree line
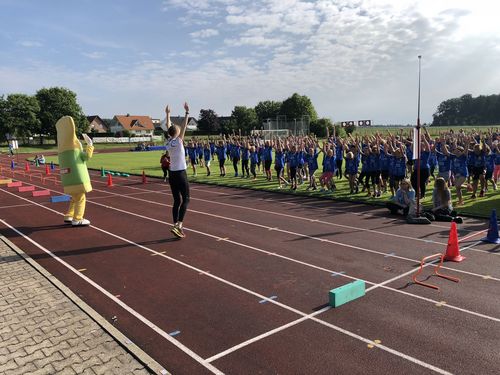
point(466, 110)
point(246, 119)
point(23, 116)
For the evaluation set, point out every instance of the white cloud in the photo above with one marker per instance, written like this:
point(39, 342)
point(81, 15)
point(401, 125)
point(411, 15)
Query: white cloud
point(94, 55)
point(205, 33)
point(30, 43)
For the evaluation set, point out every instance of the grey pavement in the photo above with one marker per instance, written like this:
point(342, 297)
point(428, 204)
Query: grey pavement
point(46, 331)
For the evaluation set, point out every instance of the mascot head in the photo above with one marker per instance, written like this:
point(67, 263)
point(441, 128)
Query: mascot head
point(66, 136)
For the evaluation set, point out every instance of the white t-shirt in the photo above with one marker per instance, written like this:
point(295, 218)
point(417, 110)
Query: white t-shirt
point(175, 148)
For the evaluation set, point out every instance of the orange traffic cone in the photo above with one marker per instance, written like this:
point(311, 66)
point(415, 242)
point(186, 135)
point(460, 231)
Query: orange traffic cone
point(26, 167)
point(47, 170)
point(452, 250)
point(143, 177)
point(110, 180)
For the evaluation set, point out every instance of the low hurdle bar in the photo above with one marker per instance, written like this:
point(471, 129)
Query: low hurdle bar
point(436, 271)
point(36, 174)
point(51, 178)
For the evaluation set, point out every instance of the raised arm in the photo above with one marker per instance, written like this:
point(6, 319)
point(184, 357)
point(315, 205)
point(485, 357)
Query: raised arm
point(184, 123)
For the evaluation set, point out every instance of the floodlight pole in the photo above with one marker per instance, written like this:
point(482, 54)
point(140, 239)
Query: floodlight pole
point(418, 139)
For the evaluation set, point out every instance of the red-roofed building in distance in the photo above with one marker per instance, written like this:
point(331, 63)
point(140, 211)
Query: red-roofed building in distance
point(96, 125)
point(135, 125)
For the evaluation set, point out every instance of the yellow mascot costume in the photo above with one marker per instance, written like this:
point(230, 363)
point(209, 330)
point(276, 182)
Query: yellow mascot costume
point(75, 177)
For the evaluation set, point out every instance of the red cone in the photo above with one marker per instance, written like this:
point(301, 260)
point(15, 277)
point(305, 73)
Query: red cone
point(110, 180)
point(144, 177)
point(26, 167)
point(47, 170)
point(452, 250)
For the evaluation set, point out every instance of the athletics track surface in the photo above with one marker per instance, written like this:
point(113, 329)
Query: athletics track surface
point(247, 291)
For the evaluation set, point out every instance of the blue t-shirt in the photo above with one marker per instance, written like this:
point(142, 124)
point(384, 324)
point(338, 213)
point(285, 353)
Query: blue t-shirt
point(497, 158)
point(398, 166)
point(267, 154)
point(312, 161)
point(424, 160)
point(490, 162)
point(300, 158)
point(235, 152)
point(293, 159)
point(443, 161)
point(207, 155)
point(400, 197)
point(373, 163)
point(191, 152)
point(477, 161)
point(245, 153)
point(384, 160)
point(254, 158)
point(459, 165)
point(339, 151)
point(352, 165)
point(329, 164)
point(279, 159)
point(221, 152)
point(212, 148)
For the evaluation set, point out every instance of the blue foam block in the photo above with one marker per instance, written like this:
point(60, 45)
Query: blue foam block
point(347, 293)
point(60, 198)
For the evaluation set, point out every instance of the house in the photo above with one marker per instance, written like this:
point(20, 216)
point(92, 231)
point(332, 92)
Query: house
point(96, 125)
point(191, 125)
point(136, 125)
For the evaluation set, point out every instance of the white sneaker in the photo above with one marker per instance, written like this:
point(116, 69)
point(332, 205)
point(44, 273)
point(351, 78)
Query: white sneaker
point(68, 219)
point(80, 223)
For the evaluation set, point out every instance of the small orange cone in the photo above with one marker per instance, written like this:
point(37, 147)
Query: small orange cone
point(452, 250)
point(143, 177)
point(26, 167)
point(47, 170)
point(110, 180)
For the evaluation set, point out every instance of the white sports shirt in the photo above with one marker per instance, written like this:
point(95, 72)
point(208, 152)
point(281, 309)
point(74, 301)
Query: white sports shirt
point(175, 148)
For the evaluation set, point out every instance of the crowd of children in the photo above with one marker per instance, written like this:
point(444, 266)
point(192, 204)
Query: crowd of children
point(375, 164)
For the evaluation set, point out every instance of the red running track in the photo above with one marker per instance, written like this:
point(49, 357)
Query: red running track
point(246, 292)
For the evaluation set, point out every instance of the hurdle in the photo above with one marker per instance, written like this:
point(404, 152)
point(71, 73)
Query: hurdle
point(36, 174)
point(436, 271)
point(19, 172)
point(51, 178)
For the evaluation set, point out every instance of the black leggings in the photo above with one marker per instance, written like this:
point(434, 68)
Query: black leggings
point(165, 171)
point(252, 169)
point(180, 188)
point(424, 175)
point(235, 164)
point(244, 167)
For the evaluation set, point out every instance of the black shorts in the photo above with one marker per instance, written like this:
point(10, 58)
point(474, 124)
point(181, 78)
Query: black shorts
point(395, 180)
point(489, 175)
point(221, 162)
point(385, 174)
point(476, 172)
point(193, 161)
point(278, 169)
point(267, 165)
point(409, 162)
point(293, 172)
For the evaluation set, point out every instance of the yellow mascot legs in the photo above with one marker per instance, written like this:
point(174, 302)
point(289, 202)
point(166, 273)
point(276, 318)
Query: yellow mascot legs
point(76, 207)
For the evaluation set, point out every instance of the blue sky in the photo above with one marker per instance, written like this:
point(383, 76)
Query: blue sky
point(354, 59)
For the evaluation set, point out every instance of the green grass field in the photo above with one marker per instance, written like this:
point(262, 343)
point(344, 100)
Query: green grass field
point(136, 162)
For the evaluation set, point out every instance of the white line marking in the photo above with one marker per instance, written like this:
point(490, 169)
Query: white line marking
point(239, 287)
point(140, 317)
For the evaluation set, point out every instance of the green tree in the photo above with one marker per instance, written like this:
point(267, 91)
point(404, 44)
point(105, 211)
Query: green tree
point(244, 119)
point(56, 102)
point(267, 109)
point(319, 127)
point(208, 121)
point(297, 106)
point(3, 118)
point(20, 115)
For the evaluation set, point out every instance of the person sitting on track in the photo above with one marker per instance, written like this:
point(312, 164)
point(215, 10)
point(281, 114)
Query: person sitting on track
point(442, 209)
point(404, 198)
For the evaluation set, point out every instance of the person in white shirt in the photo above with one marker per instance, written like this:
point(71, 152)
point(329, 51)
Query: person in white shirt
point(177, 177)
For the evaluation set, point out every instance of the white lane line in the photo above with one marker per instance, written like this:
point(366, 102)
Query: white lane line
point(119, 302)
point(298, 218)
point(413, 271)
point(239, 287)
point(264, 335)
point(217, 238)
point(297, 234)
point(17, 205)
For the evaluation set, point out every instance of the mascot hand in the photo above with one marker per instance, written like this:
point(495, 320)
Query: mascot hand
point(87, 139)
